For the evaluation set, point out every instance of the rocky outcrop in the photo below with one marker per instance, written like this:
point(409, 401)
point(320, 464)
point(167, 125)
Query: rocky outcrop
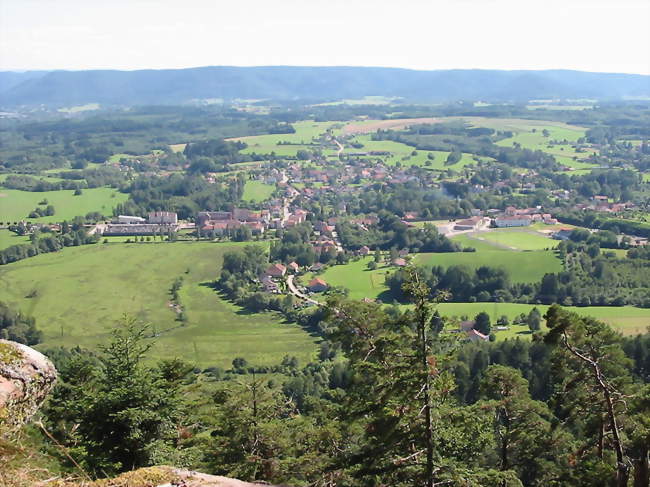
point(26, 378)
point(155, 477)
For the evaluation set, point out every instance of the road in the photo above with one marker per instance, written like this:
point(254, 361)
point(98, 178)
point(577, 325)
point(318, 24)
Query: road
point(340, 146)
point(294, 290)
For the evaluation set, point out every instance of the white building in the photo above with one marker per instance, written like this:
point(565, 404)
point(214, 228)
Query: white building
point(127, 219)
point(513, 221)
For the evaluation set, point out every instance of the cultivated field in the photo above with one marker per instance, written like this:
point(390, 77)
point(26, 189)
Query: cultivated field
point(16, 205)
point(369, 126)
point(80, 293)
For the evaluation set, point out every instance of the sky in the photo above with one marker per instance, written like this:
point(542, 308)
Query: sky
point(588, 35)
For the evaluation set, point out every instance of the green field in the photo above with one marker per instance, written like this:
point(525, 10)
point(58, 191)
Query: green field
point(627, 319)
point(257, 191)
point(362, 282)
point(402, 153)
point(515, 239)
point(15, 205)
point(521, 266)
point(466, 240)
point(7, 239)
point(82, 291)
point(306, 132)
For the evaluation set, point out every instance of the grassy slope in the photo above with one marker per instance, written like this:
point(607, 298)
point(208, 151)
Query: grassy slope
point(16, 205)
point(82, 291)
point(257, 191)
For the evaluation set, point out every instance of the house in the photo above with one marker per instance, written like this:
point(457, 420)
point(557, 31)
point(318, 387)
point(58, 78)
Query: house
point(276, 270)
point(403, 252)
point(316, 267)
point(513, 221)
point(466, 325)
point(317, 285)
point(293, 267)
point(475, 336)
point(364, 250)
point(270, 286)
point(399, 262)
point(468, 224)
point(563, 234)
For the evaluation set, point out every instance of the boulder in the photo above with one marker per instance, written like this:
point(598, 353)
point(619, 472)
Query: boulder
point(26, 378)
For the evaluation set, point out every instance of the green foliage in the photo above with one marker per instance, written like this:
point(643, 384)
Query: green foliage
point(122, 407)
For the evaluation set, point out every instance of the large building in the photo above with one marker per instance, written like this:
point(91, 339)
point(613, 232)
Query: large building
point(138, 229)
point(163, 217)
point(513, 221)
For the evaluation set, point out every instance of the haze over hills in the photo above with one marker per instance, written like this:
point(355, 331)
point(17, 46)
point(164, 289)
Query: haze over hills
point(172, 86)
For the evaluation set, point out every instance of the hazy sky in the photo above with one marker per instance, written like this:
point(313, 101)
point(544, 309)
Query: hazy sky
point(592, 35)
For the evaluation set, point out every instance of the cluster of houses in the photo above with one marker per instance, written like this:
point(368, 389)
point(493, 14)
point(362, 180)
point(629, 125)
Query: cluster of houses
point(156, 223)
point(271, 276)
point(602, 204)
point(275, 216)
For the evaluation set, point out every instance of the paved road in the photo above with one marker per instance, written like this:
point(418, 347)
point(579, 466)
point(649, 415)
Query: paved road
point(294, 290)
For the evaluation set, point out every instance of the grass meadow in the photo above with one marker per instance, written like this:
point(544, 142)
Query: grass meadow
point(257, 191)
point(364, 283)
point(521, 266)
point(81, 292)
point(514, 239)
point(16, 205)
point(7, 239)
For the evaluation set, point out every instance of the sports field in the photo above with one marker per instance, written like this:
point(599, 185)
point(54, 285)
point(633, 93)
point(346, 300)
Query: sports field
point(82, 291)
point(16, 205)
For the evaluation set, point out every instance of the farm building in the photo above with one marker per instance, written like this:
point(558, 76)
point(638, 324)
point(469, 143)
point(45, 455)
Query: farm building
point(399, 262)
point(475, 336)
point(317, 285)
point(364, 250)
point(276, 270)
point(468, 224)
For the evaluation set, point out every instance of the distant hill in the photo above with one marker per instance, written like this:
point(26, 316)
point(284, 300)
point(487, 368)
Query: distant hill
point(172, 86)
